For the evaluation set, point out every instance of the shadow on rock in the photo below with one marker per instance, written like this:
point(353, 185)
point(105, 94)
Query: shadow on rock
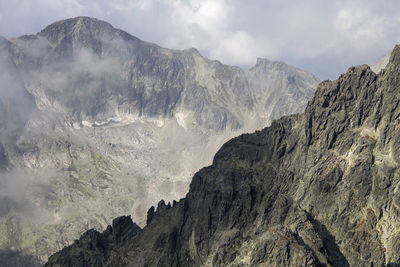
point(17, 259)
point(331, 249)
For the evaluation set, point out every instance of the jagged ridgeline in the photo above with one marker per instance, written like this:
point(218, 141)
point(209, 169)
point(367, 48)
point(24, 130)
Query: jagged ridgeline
point(314, 189)
point(95, 123)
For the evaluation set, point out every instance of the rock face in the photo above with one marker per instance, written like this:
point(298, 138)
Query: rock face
point(99, 245)
point(280, 89)
point(313, 189)
point(95, 123)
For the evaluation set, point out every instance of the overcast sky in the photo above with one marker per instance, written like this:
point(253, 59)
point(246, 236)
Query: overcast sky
point(321, 36)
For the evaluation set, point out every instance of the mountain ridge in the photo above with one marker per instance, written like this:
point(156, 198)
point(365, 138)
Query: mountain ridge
point(313, 189)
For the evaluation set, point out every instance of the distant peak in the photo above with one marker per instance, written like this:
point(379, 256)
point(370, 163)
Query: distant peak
point(85, 29)
point(78, 20)
point(85, 18)
point(266, 63)
point(193, 50)
point(261, 60)
point(69, 25)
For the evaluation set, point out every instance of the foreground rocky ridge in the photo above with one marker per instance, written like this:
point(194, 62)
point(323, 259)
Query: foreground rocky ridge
point(313, 189)
point(95, 123)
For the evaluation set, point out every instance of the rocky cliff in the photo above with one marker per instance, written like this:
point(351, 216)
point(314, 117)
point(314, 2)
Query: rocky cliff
point(96, 123)
point(314, 189)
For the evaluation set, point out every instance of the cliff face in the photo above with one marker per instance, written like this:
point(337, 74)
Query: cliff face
point(280, 89)
point(95, 123)
point(314, 189)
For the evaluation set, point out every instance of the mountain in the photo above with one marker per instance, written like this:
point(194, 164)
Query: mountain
point(314, 189)
point(97, 123)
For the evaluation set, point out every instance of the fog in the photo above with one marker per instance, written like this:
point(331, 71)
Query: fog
point(16, 104)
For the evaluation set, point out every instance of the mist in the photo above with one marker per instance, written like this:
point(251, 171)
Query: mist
point(16, 104)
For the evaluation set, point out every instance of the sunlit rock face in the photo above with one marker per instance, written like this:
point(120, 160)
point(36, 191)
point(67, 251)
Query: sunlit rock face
point(96, 123)
point(319, 188)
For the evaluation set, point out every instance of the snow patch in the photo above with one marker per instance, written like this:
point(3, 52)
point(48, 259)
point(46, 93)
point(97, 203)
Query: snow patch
point(76, 125)
point(87, 123)
point(121, 121)
point(107, 122)
point(181, 117)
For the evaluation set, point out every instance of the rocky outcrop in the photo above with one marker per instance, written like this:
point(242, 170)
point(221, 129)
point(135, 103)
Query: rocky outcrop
point(101, 124)
point(313, 189)
point(97, 246)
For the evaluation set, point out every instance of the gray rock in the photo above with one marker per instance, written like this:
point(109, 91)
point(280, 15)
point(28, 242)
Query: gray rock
point(313, 189)
point(103, 124)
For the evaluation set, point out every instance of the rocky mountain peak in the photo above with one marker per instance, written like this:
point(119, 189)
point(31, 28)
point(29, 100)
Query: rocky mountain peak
point(263, 63)
point(277, 78)
point(75, 26)
point(68, 36)
point(193, 50)
point(277, 67)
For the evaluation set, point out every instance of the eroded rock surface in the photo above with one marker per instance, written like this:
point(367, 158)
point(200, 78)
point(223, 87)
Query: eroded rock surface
point(313, 189)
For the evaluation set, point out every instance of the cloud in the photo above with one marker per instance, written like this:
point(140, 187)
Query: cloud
point(13, 193)
point(311, 34)
point(363, 28)
point(19, 195)
point(16, 104)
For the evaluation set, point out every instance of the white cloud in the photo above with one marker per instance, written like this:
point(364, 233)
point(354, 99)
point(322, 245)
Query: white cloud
point(208, 15)
point(240, 48)
point(365, 32)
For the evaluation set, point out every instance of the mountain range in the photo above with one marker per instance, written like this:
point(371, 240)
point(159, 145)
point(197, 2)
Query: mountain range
point(96, 123)
point(320, 188)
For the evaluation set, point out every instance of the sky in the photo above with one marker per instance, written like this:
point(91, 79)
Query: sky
point(320, 36)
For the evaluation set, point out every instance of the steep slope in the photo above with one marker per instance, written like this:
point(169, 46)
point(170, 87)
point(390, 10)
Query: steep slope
point(115, 124)
point(280, 89)
point(313, 189)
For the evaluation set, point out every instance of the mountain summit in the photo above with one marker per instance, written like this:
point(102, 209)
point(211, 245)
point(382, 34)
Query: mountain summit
point(314, 189)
